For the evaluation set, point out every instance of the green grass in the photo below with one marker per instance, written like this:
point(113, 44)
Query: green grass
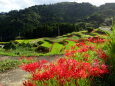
point(111, 59)
point(8, 64)
point(26, 40)
point(46, 44)
point(70, 43)
point(55, 47)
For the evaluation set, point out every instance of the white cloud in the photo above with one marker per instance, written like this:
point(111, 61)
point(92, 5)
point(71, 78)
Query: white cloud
point(7, 5)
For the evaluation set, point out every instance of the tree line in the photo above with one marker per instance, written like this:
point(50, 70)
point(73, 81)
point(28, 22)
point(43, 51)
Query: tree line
point(53, 20)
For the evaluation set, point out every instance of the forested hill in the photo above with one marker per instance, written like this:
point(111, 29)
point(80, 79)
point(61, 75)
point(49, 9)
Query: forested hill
point(64, 12)
point(107, 9)
point(46, 20)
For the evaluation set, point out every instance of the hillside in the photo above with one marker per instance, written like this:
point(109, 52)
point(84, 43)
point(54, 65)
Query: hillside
point(61, 44)
point(53, 20)
point(64, 12)
point(46, 45)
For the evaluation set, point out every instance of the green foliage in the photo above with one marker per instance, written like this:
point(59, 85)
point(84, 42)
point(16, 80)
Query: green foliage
point(42, 49)
point(64, 42)
point(98, 31)
point(44, 20)
point(10, 45)
point(8, 64)
point(53, 20)
point(108, 9)
point(57, 49)
point(25, 45)
point(111, 50)
point(38, 43)
point(49, 41)
point(54, 45)
point(108, 79)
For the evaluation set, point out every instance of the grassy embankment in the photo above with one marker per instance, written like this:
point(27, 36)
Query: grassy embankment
point(51, 46)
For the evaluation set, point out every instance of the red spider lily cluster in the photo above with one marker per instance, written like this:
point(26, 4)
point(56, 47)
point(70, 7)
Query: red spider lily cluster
point(75, 65)
point(101, 54)
point(90, 39)
point(96, 39)
point(31, 67)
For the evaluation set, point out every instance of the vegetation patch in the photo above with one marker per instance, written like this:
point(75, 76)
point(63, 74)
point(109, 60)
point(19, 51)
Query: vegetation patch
point(42, 49)
point(8, 64)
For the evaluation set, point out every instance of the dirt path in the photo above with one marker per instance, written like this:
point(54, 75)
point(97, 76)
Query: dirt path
point(15, 77)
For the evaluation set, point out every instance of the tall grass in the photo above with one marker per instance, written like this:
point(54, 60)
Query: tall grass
point(111, 59)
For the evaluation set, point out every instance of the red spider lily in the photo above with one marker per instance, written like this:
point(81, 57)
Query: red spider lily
point(43, 61)
point(70, 53)
point(96, 71)
point(43, 76)
point(96, 62)
point(33, 66)
point(89, 47)
point(28, 83)
point(73, 47)
point(85, 48)
point(104, 68)
point(82, 50)
point(72, 40)
point(101, 54)
point(61, 60)
point(66, 69)
point(96, 40)
point(80, 44)
point(85, 55)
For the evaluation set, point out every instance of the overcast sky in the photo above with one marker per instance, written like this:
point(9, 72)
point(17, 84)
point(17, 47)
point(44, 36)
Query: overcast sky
point(7, 5)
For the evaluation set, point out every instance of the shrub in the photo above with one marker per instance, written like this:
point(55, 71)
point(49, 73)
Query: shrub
point(10, 45)
point(42, 49)
point(25, 45)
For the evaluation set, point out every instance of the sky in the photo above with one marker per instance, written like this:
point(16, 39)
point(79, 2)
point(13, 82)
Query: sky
point(8, 5)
